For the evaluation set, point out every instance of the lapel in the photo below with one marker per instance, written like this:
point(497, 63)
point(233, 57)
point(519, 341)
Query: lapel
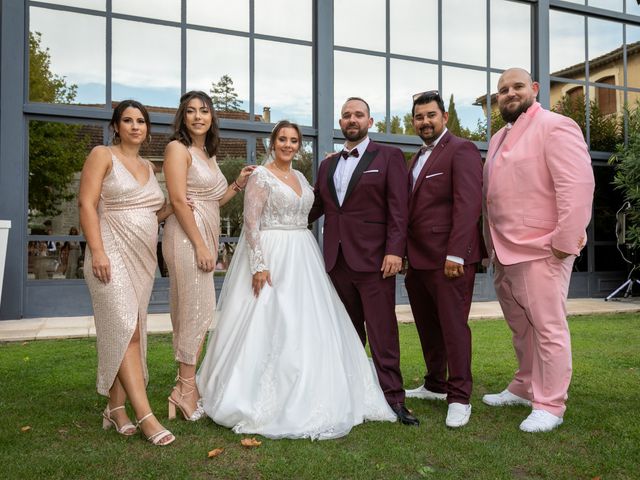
point(363, 164)
point(520, 126)
point(436, 154)
point(331, 170)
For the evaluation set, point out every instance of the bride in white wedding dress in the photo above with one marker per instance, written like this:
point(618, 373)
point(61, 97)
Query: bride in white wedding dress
point(284, 360)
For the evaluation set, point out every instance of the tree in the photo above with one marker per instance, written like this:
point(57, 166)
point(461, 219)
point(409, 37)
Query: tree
point(224, 96)
point(408, 124)
point(453, 124)
point(394, 127)
point(56, 150)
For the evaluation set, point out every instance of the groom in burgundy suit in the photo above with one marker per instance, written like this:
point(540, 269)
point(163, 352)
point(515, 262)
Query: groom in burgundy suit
point(443, 248)
point(362, 192)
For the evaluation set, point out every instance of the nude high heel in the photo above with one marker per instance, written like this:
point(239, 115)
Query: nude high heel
point(157, 437)
point(198, 413)
point(127, 429)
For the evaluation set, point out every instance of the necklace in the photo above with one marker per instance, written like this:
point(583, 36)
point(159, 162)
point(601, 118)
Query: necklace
point(285, 174)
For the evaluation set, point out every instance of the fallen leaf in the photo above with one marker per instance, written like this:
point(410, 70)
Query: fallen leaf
point(25, 343)
point(250, 442)
point(26, 428)
point(215, 452)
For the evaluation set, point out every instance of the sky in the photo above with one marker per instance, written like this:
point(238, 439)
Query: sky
point(146, 57)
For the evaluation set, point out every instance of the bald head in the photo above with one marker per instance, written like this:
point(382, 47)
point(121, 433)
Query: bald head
point(516, 93)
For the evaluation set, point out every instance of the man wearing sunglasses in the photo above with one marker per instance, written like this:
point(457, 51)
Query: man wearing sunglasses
point(443, 249)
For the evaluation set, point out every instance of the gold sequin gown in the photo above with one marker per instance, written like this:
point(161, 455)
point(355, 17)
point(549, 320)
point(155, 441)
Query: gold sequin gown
point(129, 228)
point(193, 296)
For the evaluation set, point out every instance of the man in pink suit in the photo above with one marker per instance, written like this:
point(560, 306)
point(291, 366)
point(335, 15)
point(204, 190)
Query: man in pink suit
point(363, 193)
point(537, 195)
point(443, 249)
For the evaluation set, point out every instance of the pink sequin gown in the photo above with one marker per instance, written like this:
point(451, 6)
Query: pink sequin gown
point(129, 228)
point(193, 296)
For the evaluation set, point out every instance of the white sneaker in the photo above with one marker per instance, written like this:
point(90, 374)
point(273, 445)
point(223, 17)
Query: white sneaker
point(458, 415)
point(540, 421)
point(504, 398)
point(425, 394)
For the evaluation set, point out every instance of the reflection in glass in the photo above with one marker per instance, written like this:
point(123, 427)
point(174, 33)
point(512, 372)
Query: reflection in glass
point(510, 35)
point(414, 28)
point(274, 17)
point(79, 65)
point(150, 72)
point(162, 9)
point(56, 155)
point(346, 84)
point(360, 24)
point(615, 5)
point(219, 13)
point(283, 82)
point(90, 4)
point(226, 55)
point(496, 119)
point(232, 157)
point(566, 42)
point(407, 78)
point(459, 27)
point(605, 51)
point(606, 202)
point(633, 8)
point(633, 60)
point(608, 259)
point(460, 91)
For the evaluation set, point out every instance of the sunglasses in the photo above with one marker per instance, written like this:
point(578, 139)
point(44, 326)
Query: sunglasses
point(416, 96)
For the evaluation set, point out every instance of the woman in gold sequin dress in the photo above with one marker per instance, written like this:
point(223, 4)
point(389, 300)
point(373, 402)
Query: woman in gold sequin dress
point(120, 205)
point(197, 189)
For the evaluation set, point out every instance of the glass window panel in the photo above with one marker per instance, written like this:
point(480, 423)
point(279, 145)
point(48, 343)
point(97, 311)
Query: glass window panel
point(608, 259)
point(615, 5)
point(569, 99)
point(606, 202)
point(161, 9)
point(496, 119)
point(633, 57)
point(77, 63)
point(150, 72)
point(91, 4)
point(408, 78)
point(219, 13)
point(633, 8)
point(56, 155)
point(461, 89)
point(232, 157)
point(283, 81)
point(605, 51)
point(360, 24)
point(566, 44)
point(228, 56)
point(414, 28)
point(345, 85)
point(510, 35)
point(284, 18)
point(457, 29)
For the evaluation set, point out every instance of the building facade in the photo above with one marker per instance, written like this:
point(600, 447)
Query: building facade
point(65, 63)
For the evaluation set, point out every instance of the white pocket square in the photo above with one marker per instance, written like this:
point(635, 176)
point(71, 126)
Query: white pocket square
point(433, 175)
point(370, 171)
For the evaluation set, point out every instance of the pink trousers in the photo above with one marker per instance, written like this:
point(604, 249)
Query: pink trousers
point(533, 298)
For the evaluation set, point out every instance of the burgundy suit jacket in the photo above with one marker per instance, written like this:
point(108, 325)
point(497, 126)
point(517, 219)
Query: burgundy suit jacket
point(445, 206)
point(372, 221)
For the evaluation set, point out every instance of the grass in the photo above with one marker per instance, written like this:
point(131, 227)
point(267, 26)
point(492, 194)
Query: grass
point(49, 386)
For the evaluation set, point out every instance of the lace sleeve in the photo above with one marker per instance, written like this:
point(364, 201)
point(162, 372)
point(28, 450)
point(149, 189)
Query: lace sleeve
point(255, 197)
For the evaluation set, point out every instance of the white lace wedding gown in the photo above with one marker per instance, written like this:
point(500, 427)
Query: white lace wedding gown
point(288, 363)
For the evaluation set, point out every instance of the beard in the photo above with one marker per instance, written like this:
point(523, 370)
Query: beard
point(354, 136)
point(512, 116)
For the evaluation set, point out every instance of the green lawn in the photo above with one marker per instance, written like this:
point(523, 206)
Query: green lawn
point(49, 386)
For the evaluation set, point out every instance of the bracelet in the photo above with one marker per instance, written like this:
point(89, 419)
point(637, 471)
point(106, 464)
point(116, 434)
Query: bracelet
point(236, 186)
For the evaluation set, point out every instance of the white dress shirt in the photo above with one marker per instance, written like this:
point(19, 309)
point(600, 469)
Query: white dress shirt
point(345, 168)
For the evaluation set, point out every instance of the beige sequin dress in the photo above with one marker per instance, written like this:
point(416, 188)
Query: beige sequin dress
point(129, 228)
point(193, 296)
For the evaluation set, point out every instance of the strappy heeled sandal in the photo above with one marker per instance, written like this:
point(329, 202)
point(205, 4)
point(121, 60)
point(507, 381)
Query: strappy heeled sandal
point(198, 413)
point(157, 437)
point(127, 429)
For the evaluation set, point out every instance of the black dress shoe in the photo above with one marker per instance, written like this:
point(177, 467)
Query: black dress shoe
point(404, 416)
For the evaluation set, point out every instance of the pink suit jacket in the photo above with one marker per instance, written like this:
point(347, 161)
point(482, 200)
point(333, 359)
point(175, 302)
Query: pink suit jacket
point(538, 190)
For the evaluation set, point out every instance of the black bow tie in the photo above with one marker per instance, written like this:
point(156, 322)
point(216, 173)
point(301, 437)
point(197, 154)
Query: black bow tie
point(352, 153)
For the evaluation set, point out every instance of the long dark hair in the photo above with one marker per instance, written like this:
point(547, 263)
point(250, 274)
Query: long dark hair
point(279, 126)
point(180, 132)
point(117, 116)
